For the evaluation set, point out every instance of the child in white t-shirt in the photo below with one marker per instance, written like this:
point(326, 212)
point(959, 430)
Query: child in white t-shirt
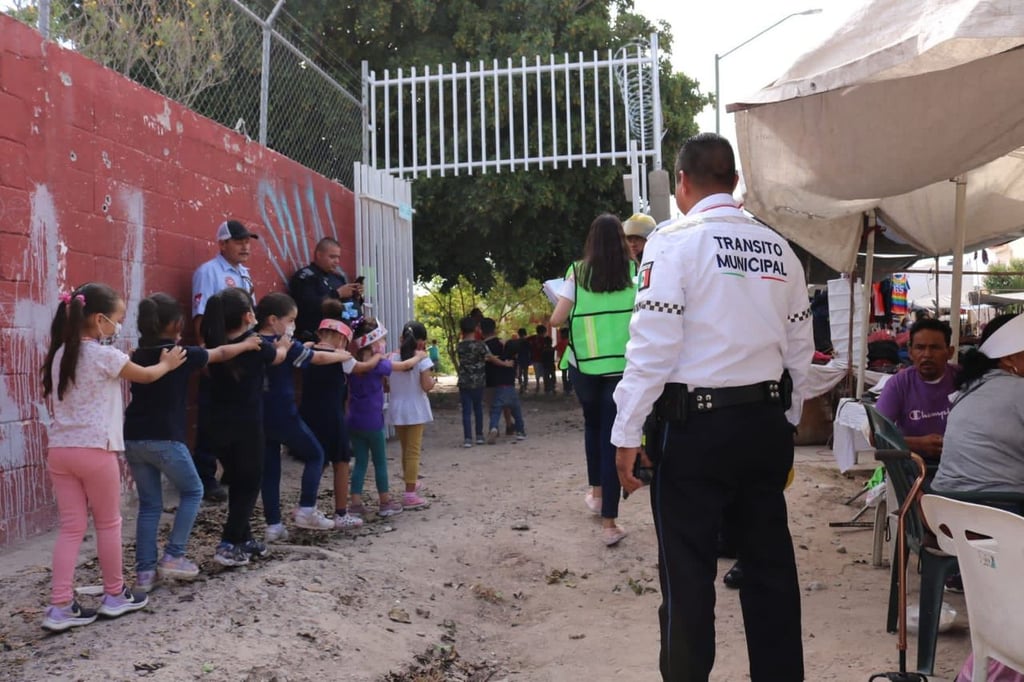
point(409, 409)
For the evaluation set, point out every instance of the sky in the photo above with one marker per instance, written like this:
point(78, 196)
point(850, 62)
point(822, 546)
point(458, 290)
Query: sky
point(702, 28)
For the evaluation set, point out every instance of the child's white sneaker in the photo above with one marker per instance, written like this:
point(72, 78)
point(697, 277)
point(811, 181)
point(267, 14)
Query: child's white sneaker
point(312, 519)
point(347, 522)
point(276, 532)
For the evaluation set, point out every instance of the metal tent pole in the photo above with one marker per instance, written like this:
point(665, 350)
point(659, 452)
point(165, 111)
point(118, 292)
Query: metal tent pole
point(960, 229)
point(869, 271)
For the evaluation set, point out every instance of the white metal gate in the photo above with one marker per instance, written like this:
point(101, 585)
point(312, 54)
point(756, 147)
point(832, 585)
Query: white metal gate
point(384, 246)
point(563, 111)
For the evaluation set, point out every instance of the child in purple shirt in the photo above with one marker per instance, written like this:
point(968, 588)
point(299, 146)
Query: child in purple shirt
point(366, 416)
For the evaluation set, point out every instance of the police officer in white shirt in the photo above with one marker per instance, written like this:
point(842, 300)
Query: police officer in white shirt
point(721, 312)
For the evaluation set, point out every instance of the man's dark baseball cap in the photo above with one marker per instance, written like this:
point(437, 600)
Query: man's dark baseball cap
point(232, 229)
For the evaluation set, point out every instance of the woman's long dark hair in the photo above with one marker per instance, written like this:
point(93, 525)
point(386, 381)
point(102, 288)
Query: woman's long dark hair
point(156, 313)
point(412, 333)
point(66, 330)
point(974, 364)
point(606, 260)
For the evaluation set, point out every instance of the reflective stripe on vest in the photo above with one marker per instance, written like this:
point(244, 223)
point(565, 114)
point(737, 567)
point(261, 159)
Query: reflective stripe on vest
point(599, 328)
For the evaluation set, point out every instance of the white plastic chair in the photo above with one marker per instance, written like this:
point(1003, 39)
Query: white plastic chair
point(991, 567)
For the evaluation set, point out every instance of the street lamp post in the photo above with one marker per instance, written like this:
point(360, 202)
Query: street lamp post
point(720, 57)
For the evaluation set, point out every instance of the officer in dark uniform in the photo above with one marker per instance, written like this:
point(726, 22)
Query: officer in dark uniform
point(320, 280)
point(720, 349)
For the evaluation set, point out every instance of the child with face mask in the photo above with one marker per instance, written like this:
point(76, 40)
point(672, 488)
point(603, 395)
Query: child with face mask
point(82, 378)
point(275, 320)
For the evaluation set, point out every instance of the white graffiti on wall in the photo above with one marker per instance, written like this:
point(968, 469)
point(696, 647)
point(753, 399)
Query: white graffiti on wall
point(131, 257)
point(43, 273)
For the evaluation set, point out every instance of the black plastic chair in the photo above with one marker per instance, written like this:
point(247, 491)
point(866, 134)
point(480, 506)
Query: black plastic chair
point(935, 565)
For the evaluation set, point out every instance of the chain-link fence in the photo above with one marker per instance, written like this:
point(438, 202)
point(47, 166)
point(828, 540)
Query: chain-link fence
point(247, 64)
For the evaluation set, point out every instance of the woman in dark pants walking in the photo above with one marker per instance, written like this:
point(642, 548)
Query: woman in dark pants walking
point(597, 301)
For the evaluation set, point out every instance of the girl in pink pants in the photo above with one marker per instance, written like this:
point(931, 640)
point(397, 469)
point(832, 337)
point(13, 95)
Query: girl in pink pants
point(82, 376)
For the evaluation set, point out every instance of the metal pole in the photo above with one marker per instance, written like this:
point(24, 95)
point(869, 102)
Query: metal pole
point(655, 102)
point(366, 113)
point(720, 57)
point(869, 272)
point(718, 105)
point(265, 71)
point(958, 259)
point(634, 164)
point(43, 22)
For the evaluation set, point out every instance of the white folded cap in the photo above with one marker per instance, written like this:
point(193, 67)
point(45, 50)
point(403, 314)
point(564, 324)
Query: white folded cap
point(1006, 340)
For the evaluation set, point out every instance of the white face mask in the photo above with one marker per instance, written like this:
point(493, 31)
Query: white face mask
point(110, 340)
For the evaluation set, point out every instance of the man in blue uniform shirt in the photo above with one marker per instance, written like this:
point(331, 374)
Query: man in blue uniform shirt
point(720, 328)
point(318, 281)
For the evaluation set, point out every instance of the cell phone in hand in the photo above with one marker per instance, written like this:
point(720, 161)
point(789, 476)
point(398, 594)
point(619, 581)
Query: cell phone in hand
point(644, 474)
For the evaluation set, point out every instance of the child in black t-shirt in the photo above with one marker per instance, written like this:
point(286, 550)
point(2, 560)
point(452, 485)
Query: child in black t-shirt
point(236, 417)
point(154, 435)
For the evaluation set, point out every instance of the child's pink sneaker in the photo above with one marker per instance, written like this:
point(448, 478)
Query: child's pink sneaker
point(389, 508)
point(413, 501)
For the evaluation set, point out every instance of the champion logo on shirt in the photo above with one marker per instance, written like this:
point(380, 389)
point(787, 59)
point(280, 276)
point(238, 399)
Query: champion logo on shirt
point(740, 256)
point(918, 415)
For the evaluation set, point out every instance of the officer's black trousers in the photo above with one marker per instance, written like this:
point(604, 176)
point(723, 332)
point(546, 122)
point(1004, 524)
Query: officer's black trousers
point(737, 456)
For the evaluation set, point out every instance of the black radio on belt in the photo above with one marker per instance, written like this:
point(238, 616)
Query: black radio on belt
point(669, 408)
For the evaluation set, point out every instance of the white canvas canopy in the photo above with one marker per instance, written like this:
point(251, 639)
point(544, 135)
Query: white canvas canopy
point(904, 97)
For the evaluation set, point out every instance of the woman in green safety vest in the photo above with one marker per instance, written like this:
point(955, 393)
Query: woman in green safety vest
point(597, 300)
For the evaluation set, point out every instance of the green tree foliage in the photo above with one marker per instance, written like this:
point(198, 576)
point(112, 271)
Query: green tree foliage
point(996, 281)
point(440, 309)
point(176, 47)
point(522, 224)
point(25, 11)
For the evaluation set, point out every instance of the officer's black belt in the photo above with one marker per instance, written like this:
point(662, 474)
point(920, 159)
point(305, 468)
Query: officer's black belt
point(708, 399)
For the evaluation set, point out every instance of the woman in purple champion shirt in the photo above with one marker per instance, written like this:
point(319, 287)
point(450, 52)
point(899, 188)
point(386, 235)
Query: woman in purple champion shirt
point(366, 416)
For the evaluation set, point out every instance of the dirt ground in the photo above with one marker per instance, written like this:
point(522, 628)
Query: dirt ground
point(503, 578)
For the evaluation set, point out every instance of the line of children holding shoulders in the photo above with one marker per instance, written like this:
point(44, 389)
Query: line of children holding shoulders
point(251, 357)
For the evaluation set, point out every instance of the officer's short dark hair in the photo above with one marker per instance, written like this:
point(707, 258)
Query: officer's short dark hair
point(521, 331)
point(487, 326)
point(541, 330)
point(326, 243)
point(708, 160)
point(931, 324)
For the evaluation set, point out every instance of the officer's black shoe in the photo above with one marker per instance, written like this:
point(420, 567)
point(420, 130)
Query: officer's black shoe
point(215, 493)
point(734, 578)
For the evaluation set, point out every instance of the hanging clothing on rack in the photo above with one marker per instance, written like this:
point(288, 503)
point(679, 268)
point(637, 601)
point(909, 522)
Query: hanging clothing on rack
point(900, 294)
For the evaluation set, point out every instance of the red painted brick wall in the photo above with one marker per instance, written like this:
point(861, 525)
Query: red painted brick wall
point(101, 179)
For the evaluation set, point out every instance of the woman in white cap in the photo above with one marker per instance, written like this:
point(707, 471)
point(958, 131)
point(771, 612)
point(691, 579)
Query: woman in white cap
point(983, 448)
point(638, 228)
